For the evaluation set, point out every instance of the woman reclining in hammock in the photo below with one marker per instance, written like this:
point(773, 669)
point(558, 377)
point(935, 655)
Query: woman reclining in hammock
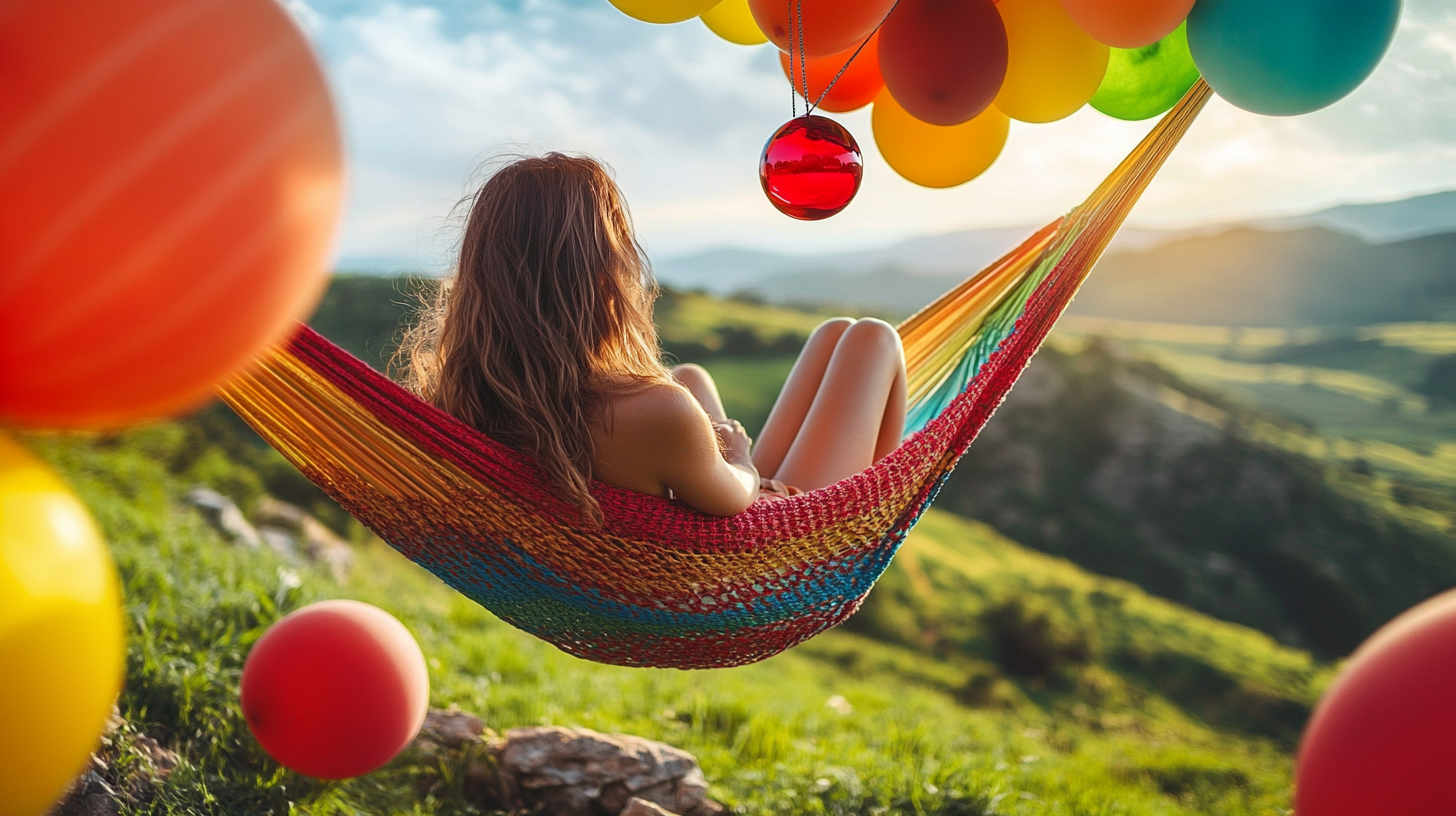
point(543, 338)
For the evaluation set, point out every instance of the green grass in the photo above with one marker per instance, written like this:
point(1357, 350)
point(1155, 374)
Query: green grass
point(1141, 724)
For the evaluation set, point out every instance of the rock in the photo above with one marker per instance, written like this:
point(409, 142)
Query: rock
point(577, 772)
point(317, 541)
point(89, 796)
point(224, 515)
point(280, 541)
point(642, 807)
point(708, 808)
point(451, 728)
point(163, 761)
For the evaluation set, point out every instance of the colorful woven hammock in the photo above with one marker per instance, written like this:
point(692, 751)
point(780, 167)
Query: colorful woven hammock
point(659, 584)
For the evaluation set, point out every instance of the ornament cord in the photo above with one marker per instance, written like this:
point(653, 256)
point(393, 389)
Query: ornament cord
point(847, 62)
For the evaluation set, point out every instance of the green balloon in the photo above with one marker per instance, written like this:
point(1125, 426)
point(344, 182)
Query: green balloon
point(1144, 82)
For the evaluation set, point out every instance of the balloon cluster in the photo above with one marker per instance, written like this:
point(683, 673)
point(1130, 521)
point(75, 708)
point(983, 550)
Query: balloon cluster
point(947, 76)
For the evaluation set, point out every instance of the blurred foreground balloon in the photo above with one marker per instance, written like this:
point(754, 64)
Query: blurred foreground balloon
point(336, 689)
point(733, 21)
point(1289, 57)
point(663, 11)
point(856, 87)
point(830, 26)
point(935, 156)
point(1380, 740)
point(944, 61)
point(172, 174)
point(1054, 67)
point(810, 168)
point(60, 634)
point(1127, 23)
point(1144, 82)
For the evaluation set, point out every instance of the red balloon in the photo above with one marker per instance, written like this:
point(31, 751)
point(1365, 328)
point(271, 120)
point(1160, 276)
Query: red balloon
point(1380, 740)
point(1127, 23)
point(335, 689)
point(172, 176)
point(830, 26)
point(944, 60)
point(857, 86)
point(810, 168)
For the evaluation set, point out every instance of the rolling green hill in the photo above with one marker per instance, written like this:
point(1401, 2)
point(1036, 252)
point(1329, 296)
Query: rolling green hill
point(1129, 470)
point(981, 678)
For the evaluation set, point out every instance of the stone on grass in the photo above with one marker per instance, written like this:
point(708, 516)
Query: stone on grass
point(577, 772)
point(223, 514)
point(306, 534)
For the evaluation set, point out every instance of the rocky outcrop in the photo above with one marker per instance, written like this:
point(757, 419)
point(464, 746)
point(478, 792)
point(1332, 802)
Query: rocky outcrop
point(290, 530)
point(284, 528)
point(223, 514)
point(574, 771)
point(567, 771)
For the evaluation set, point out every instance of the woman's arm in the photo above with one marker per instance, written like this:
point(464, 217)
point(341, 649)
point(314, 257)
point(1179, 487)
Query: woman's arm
point(706, 464)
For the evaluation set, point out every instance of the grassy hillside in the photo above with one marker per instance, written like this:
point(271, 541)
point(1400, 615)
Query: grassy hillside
point(1131, 471)
point(981, 678)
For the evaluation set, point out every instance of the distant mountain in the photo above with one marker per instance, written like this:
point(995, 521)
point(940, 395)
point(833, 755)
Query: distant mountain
point(1306, 277)
point(1380, 223)
point(904, 276)
point(785, 277)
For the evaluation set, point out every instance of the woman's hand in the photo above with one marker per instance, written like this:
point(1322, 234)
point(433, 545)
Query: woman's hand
point(737, 445)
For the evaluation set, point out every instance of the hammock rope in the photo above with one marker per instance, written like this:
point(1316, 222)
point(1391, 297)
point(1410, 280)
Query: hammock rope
point(659, 584)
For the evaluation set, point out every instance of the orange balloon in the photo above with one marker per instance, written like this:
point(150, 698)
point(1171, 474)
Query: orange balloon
point(830, 26)
point(857, 86)
point(1128, 23)
point(172, 176)
point(932, 155)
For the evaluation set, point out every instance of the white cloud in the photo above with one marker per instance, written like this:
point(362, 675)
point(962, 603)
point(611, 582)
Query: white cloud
point(430, 89)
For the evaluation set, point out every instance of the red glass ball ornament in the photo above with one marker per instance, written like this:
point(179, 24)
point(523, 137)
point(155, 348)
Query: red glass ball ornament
point(810, 168)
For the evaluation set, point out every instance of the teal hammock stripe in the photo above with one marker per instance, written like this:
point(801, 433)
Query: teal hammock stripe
point(998, 326)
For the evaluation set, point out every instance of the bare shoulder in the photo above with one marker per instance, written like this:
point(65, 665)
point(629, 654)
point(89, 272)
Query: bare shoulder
point(658, 410)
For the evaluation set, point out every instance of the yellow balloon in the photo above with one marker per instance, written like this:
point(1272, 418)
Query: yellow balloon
point(932, 155)
point(1053, 67)
point(61, 656)
point(663, 11)
point(732, 21)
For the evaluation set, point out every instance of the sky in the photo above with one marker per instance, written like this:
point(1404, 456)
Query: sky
point(430, 92)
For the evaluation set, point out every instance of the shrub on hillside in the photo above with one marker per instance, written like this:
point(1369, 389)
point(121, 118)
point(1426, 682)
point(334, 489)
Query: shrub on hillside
point(1037, 640)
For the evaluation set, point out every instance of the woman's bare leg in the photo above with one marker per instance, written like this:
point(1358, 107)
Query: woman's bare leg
point(797, 396)
point(697, 380)
point(857, 413)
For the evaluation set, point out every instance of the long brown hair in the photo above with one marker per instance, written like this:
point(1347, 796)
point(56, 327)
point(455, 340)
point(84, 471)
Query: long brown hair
point(547, 314)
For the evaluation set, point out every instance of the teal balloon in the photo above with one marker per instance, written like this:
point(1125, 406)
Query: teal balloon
point(1287, 57)
point(1144, 82)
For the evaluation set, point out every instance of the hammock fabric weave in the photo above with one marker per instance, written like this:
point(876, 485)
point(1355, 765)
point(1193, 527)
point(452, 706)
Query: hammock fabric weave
point(659, 584)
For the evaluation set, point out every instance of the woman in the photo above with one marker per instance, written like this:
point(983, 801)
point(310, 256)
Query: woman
point(544, 340)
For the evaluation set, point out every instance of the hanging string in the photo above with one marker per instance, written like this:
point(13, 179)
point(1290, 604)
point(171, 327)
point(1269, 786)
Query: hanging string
point(803, 66)
point(847, 62)
point(793, 82)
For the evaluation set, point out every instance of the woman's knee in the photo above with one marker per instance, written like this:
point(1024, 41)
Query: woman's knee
point(871, 334)
point(691, 374)
point(831, 330)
